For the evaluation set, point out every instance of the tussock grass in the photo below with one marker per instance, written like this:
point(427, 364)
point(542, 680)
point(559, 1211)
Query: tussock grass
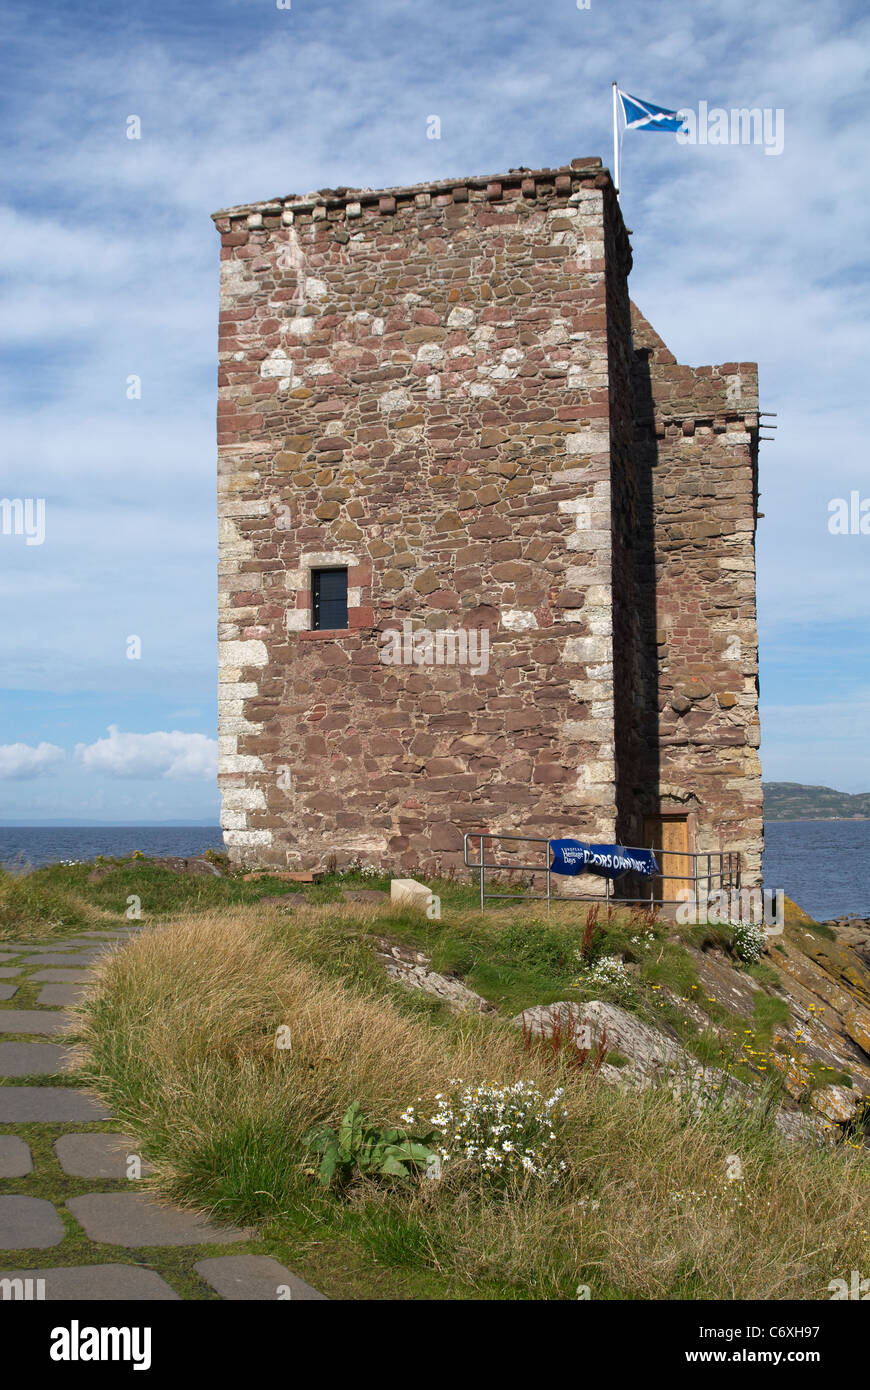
point(32, 905)
point(180, 1038)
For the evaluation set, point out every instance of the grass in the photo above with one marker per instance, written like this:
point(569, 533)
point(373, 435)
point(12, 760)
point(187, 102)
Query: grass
point(181, 1042)
point(60, 899)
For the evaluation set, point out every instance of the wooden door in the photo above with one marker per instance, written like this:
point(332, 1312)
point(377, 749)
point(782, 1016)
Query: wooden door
point(669, 837)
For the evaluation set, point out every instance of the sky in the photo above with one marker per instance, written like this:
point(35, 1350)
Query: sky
point(109, 269)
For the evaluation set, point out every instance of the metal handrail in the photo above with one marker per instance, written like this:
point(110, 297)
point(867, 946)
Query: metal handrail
point(730, 874)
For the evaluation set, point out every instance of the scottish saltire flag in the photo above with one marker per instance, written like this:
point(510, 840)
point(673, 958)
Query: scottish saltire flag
point(645, 115)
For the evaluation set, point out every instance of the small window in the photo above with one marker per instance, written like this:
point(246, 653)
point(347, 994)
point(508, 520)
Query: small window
point(329, 599)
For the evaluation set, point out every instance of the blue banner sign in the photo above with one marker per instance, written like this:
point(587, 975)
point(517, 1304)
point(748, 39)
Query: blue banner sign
point(608, 861)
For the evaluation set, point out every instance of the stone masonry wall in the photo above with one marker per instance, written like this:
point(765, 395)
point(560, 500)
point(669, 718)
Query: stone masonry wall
point(697, 445)
point(415, 384)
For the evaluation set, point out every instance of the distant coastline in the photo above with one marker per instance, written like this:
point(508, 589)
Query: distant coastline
point(794, 801)
point(812, 820)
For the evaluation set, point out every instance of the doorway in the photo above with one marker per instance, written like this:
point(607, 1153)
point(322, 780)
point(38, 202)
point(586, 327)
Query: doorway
point(668, 836)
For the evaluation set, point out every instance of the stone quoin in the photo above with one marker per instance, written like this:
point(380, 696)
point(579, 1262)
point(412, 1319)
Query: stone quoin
point(445, 392)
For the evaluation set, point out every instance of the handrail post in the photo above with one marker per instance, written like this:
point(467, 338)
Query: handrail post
point(549, 877)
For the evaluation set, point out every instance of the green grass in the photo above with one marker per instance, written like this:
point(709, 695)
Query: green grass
point(59, 899)
point(179, 1042)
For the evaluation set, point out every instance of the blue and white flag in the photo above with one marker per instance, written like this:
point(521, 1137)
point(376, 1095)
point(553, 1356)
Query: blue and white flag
point(645, 115)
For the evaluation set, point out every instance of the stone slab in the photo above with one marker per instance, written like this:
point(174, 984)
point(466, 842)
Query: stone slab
point(131, 1220)
point(40, 946)
point(246, 1277)
point(7, 991)
point(61, 995)
point(33, 1059)
point(34, 1021)
point(56, 958)
point(15, 1159)
point(97, 1155)
point(122, 934)
point(61, 977)
point(99, 1283)
point(10, 955)
point(407, 892)
point(28, 1223)
point(49, 1105)
point(8, 971)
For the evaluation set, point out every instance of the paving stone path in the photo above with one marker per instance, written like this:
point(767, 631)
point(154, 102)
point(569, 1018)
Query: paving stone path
point(70, 1190)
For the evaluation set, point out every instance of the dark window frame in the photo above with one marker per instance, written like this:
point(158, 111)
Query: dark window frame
point(332, 605)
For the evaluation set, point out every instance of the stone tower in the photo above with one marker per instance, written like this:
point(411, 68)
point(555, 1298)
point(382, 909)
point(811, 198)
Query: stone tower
point(486, 550)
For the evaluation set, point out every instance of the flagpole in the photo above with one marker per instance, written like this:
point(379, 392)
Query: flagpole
point(615, 143)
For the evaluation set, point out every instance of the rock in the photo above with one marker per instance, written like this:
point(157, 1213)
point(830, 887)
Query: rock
point(654, 1059)
point(411, 969)
point(589, 1025)
point(407, 892)
point(837, 1103)
point(364, 895)
point(857, 1025)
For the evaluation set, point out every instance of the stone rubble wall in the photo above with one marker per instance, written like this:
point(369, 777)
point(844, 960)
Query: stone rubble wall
point(415, 384)
point(697, 443)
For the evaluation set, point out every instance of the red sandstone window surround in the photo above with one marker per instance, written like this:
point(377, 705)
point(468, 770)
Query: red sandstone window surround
point(353, 579)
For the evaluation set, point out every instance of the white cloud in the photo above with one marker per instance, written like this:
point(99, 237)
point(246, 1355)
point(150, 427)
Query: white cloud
point(174, 756)
point(21, 760)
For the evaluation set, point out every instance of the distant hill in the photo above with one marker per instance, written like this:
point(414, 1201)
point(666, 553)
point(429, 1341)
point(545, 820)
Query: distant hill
point(794, 801)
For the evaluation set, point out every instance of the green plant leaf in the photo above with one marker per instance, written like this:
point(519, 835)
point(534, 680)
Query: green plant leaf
point(393, 1168)
point(328, 1165)
point(352, 1126)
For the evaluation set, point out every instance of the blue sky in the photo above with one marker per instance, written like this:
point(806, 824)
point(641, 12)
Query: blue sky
point(109, 267)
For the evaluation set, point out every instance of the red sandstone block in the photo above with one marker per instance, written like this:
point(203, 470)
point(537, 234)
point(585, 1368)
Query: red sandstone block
point(386, 204)
point(234, 238)
point(563, 183)
point(359, 575)
point(332, 442)
point(360, 617)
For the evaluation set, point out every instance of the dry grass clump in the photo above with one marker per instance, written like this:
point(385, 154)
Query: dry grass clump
point(33, 907)
point(181, 1039)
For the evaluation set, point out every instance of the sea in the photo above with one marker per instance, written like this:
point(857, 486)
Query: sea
point(50, 844)
point(823, 866)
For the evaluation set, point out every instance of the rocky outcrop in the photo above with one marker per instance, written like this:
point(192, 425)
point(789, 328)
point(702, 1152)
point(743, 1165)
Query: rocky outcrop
point(412, 969)
point(653, 1058)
